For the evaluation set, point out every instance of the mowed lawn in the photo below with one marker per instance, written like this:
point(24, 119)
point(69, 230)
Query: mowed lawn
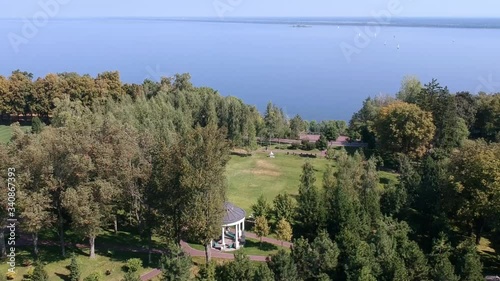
point(6, 132)
point(249, 177)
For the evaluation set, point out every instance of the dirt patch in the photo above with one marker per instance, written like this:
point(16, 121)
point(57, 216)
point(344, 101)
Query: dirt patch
point(264, 168)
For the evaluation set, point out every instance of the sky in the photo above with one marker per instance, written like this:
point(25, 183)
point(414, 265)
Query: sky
point(246, 8)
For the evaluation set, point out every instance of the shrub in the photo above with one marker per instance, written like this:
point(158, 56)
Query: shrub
point(27, 262)
point(93, 277)
point(131, 276)
point(294, 145)
point(39, 273)
point(134, 265)
point(74, 269)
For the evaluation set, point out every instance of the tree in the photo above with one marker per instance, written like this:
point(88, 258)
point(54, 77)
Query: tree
point(37, 125)
point(443, 269)
point(309, 208)
point(263, 273)
point(330, 130)
point(175, 265)
point(39, 274)
point(261, 227)
point(469, 263)
point(262, 208)
point(284, 231)
point(475, 170)
point(283, 207)
point(207, 272)
point(36, 214)
point(404, 128)
point(322, 143)
point(297, 126)
point(410, 89)
point(487, 123)
point(283, 267)
point(201, 158)
point(74, 269)
point(238, 269)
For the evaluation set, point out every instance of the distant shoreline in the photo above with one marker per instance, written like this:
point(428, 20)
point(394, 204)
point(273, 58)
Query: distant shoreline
point(474, 23)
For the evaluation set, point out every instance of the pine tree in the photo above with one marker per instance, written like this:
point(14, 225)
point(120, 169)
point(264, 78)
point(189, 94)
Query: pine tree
point(309, 209)
point(262, 208)
point(283, 267)
point(470, 267)
point(39, 274)
point(36, 125)
point(284, 207)
point(263, 273)
point(175, 264)
point(74, 269)
point(443, 269)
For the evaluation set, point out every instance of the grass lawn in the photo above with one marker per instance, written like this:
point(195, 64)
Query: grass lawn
point(57, 267)
point(6, 132)
point(251, 176)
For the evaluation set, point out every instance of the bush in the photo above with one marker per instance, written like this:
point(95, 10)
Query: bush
point(294, 145)
point(39, 273)
point(93, 277)
point(134, 265)
point(27, 262)
point(308, 145)
point(74, 269)
point(131, 276)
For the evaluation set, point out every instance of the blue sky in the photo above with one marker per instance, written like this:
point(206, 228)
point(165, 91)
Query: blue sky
point(238, 8)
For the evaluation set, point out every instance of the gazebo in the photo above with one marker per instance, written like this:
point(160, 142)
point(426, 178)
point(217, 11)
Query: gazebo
point(233, 217)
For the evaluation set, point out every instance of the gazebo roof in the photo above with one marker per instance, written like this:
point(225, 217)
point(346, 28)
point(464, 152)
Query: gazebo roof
point(232, 214)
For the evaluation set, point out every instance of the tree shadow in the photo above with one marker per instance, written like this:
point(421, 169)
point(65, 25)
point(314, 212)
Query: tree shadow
point(63, 276)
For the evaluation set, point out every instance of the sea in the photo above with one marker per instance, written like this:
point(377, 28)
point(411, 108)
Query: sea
point(320, 68)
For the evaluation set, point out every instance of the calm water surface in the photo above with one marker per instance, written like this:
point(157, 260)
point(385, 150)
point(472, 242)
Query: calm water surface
point(303, 70)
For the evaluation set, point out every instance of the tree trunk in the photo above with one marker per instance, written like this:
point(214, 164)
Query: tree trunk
point(92, 247)
point(35, 243)
point(479, 224)
point(3, 250)
point(208, 253)
point(115, 221)
point(150, 240)
point(61, 229)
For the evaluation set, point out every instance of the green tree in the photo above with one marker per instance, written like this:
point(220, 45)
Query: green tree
point(309, 208)
point(238, 269)
point(36, 214)
point(262, 208)
point(322, 143)
point(37, 125)
point(487, 121)
point(283, 231)
point(443, 269)
point(131, 276)
point(405, 128)
point(297, 126)
point(469, 263)
point(410, 89)
point(261, 227)
point(207, 272)
point(74, 269)
point(39, 274)
point(283, 267)
point(283, 207)
point(263, 273)
point(475, 170)
point(175, 265)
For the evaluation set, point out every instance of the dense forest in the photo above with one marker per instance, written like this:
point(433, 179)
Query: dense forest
point(153, 157)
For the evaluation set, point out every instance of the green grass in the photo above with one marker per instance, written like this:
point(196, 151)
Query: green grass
point(251, 176)
point(6, 132)
point(57, 269)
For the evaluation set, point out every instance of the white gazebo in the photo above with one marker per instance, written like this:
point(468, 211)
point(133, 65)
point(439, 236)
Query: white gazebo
point(233, 217)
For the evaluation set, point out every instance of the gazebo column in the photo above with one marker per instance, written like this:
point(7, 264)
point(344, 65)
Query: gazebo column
point(242, 227)
point(236, 236)
point(223, 242)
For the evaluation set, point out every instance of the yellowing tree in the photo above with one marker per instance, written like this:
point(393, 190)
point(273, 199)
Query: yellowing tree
point(284, 231)
point(404, 128)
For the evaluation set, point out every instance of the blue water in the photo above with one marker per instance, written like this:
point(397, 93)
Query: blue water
point(303, 70)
